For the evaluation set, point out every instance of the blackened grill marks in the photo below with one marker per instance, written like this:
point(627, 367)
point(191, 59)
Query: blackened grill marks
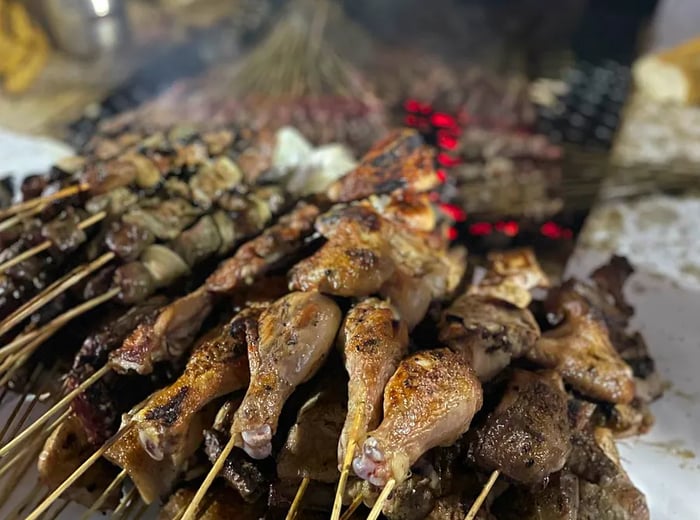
point(169, 412)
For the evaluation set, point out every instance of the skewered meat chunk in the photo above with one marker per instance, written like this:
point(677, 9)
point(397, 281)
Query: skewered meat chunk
point(167, 337)
point(488, 333)
point(558, 501)
point(212, 180)
point(429, 401)
point(510, 277)
point(256, 257)
point(166, 220)
point(64, 233)
point(400, 161)
point(580, 350)
point(218, 366)
point(218, 504)
point(295, 335)
point(240, 472)
point(128, 240)
point(310, 448)
point(373, 341)
point(527, 436)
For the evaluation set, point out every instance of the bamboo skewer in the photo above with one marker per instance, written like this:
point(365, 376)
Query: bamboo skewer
point(30, 204)
point(52, 291)
point(482, 496)
point(19, 342)
point(345, 470)
point(94, 219)
point(20, 403)
point(124, 503)
point(76, 475)
point(13, 221)
point(53, 410)
point(191, 511)
point(356, 503)
point(105, 494)
point(377, 507)
point(14, 362)
point(292, 513)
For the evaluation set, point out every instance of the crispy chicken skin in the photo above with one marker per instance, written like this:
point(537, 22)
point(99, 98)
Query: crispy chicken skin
point(527, 436)
point(400, 161)
point(218, 366)
point(255, 257)
point(295, 335)
point(487, 332)
point(510, 277)
point(373, 341)
point(580, 350)
point(168, 336)
point(368, 254)
point(429, 401)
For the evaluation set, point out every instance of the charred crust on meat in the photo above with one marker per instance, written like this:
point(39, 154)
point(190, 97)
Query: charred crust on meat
point(169, 412)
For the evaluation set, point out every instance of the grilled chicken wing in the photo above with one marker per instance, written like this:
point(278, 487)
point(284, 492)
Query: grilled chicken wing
point(400, 161)
point(373, 341)
point(172, 332)
point(527, 436)
point(368, 254)
point(429, 401)
point(487, 332)
point(218, 366)
point(258, 255)
point(580, 350)
point(510, 277)
point(295, 335)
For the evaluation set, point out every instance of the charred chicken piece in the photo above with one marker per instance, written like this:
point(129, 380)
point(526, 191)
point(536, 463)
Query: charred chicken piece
point(368, 254)
point(580, 350)
point(239, 471)
point(400, 161)
point(429, 401)
point(65, 450)
point(373, 341)
point(527, 436)
point(295, 335)
point(218, 366)
point(97, 410)
point(310, 448)
point(558, 501)
point(167, 337)
point(218, 504)
point(488, 333)
point(257, 256)
point(510, 277)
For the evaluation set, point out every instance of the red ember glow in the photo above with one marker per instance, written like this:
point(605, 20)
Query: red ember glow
point(445, 140)
point(480, 228)
point(452, 234)
point(441, 175)
point(442, 120)
point(454, 212)
point(447, 160)
point(508, 227)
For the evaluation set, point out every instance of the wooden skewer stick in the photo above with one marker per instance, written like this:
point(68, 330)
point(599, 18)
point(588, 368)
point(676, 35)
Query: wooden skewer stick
point(34, 444)
point(191, 511)
point(14, 362)
point(124, 503)
point(54, 410)
point(34, 515)
point(57, 322)
point(13, 221)
point(345, 470)
point(292, 513)
point(482, 496)
point(356, 503)
point(49, 293)
point(105, 494)
point(29, 204)
point(377, 508)
point(94, 219)
point(20, 403)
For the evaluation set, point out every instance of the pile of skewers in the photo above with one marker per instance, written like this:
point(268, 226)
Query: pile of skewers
point(334, 358)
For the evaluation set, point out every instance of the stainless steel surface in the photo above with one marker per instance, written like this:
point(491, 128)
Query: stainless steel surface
point(86, 28)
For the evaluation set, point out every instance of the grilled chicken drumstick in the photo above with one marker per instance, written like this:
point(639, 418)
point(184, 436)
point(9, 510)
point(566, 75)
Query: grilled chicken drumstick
point(429, 401)
point(295, 335)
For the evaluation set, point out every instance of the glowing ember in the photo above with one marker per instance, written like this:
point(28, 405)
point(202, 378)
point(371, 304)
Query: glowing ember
point(509, 227)
point(480, 228)
point(447, 141)
point(454, 212)
point(452, 233)
point(447, 160)
point(442, 120)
